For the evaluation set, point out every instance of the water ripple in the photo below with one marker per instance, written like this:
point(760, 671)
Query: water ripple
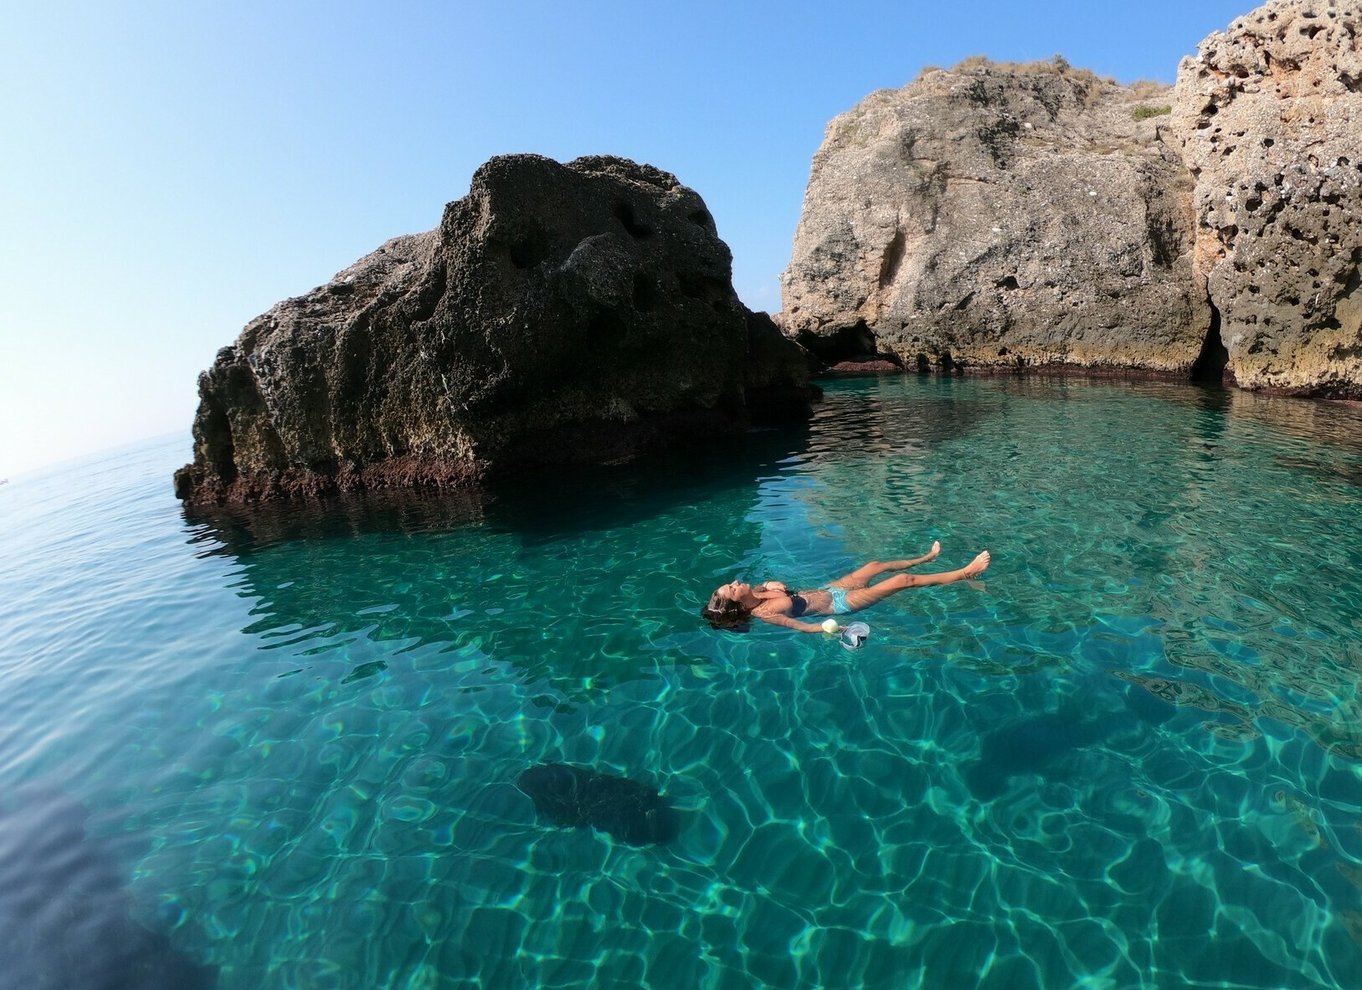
point(1127, 758)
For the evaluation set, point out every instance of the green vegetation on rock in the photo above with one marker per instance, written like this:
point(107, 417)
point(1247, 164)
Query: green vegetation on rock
point(1144, 111)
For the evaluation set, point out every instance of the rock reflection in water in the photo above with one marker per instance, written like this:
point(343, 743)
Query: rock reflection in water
point(493, 574)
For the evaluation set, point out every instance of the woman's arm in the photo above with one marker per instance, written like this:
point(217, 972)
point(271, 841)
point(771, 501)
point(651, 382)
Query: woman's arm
point(789, 623)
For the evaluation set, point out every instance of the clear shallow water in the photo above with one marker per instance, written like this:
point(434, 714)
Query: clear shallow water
point(285, 746)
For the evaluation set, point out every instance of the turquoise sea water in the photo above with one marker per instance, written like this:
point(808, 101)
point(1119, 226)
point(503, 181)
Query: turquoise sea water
point(283, 748)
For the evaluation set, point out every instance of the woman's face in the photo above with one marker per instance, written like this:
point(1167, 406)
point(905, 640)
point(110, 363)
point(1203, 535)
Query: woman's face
point(735, 591)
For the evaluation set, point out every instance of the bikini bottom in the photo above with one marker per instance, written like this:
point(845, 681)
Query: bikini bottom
point(840, 606)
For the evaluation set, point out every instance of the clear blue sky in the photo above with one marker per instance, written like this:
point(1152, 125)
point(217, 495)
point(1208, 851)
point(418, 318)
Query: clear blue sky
point(172, 169)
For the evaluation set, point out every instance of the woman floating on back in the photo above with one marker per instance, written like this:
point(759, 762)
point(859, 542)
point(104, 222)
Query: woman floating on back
point(734, 603)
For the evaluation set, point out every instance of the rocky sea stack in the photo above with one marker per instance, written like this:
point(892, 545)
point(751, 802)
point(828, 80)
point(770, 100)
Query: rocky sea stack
point(1019, 216)
point(560, 313)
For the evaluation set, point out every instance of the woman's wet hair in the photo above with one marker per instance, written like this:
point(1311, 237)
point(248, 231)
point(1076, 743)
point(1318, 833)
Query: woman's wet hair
point(725, 613)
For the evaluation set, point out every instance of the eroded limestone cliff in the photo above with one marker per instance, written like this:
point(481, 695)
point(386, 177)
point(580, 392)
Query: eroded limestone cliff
point(993, 215)
point(1270, 118)
point(1000, 215)
point(559, 313)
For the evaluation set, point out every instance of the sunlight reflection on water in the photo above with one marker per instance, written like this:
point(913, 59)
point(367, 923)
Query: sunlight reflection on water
point(1129, 756)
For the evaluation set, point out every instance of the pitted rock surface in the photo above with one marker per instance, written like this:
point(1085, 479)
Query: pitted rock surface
point(559, 313)
point(1270, 113)
point(999, 215)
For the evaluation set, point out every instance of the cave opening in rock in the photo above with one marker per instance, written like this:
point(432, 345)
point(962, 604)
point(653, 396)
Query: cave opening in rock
point(850, 343)
point(1210, 363)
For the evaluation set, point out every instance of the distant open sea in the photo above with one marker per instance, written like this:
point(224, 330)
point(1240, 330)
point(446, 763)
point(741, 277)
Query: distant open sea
point(279, 750)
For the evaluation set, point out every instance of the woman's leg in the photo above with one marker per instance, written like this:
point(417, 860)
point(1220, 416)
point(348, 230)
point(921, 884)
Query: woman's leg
point(860, 577)
point(859, 598)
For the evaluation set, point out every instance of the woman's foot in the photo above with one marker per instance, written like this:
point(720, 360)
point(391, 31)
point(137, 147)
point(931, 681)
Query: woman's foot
point(934, 552)
point(978, 565)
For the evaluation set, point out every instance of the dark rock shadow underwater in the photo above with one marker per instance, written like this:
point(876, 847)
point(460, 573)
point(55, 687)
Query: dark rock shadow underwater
point(65, 919)
point(1040, 745)
point(574, 797)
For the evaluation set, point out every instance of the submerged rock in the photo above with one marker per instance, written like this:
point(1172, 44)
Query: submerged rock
point(1269, 115)
point(999, 215)
point(559, 313)
point(574, 797)
point(66, 917)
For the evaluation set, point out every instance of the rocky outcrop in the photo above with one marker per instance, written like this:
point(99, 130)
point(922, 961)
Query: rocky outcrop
point(993, 215)
point(559, 313)
point(1270, 113)
point(1000, 215)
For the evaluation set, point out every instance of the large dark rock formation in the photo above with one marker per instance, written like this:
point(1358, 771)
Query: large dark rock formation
point(559, 313)
point(999, 215)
